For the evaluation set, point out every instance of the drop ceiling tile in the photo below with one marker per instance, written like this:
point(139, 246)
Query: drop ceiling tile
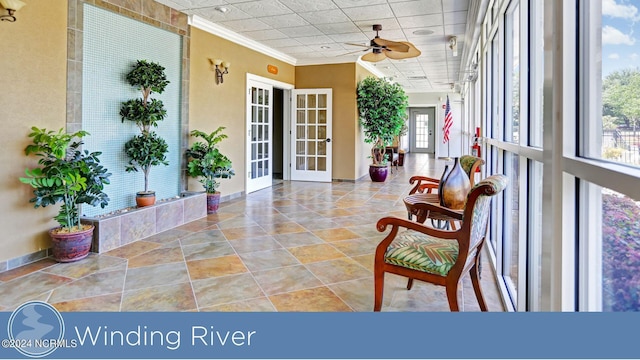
point(283, 21)
point(387, 24)
point(245, 25)
point(277, 43)
point(264, 8)
point(358, 3)
point(325, 16)
point(193, 4)
point(211, 14)
point(236, 1)
point(420, 20)
point(261, 35)
point(337, 28)
point(455, 29)
point(309, 5)
point(368, 12)
point(313, 40)
point(418, 7)
point(306, 30)
point(456, 17)
point(437, 31)
point(296, 49)
point(455, 5)
point(358, 38)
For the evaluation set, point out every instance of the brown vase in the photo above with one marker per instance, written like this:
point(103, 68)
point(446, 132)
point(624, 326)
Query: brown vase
point(145, 198)
point(454, 187)
point(68, 247)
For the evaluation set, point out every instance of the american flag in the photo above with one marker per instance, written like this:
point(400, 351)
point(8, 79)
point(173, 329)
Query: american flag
point(448, 121)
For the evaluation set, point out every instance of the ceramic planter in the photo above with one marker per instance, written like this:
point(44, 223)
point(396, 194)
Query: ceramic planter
point(378, 173)
point(68, 247)
point(145, 198)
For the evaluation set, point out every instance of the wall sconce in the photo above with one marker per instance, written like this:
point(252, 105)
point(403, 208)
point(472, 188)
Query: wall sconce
point(221, 68)
point(11, 6)
point(453, 45)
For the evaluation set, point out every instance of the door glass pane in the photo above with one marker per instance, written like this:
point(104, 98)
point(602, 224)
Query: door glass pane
point(254, 170)
point(322, 148)
point(259, 115)
point(254, 132)
point(322, 116)
point(266, 133)
point(301, 117)
point(312, 101)
point(254, 151)
point(322, 132)
point(322, 101)
point(301, 101)
point(422, 130)
point(300, 132)
point(260, 96)
point(266, 99)
point(311, 132)
point(254, 95)
point(322, 164)
point(300, 148)
point(311, 163)
point(260, 155)
point(311, 147)
point(312, 117)
point(259, 128)
point(300, 163)
point(266, 166)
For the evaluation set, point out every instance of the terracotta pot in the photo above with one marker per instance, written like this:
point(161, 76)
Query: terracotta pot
point(454, 187)
point(378, 173)
point(213, 201)
point(68, 247)
point(145, 198)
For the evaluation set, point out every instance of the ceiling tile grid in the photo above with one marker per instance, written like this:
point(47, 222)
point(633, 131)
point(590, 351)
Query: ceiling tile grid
point(332, 31)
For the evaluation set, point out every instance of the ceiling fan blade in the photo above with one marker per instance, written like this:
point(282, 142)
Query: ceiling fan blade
point(353, 52)
point(392, 45)
point(412, 52)
point(374, 57)
point(354, 44)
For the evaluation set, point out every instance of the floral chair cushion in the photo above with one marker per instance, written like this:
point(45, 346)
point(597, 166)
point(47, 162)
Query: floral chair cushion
point(422, 252)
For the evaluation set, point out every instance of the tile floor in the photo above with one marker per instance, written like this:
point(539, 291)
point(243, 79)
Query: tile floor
point(297, 246)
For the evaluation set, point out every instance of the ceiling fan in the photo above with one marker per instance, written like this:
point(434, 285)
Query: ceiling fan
point(382, 48)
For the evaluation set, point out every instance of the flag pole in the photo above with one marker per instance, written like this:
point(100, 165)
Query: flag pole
point(446, 131)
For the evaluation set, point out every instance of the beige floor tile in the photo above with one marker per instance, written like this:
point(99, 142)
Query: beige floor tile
point(314, 253)
point(310, 300)
point(220, 266)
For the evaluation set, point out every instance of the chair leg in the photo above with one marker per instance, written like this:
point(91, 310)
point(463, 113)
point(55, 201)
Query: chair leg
point(476, 287)
point(452, 296)
point(409, 283)
point(378, 290)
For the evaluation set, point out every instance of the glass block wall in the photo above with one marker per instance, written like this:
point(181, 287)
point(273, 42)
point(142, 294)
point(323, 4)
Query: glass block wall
point(112, 44)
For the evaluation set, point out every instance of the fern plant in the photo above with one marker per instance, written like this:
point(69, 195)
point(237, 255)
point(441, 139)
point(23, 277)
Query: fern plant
point(206, 162)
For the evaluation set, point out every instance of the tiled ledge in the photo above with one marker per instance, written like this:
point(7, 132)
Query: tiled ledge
point(120, 229)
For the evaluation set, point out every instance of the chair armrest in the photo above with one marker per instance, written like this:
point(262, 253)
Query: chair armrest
point(423, 182)
point(433, 207)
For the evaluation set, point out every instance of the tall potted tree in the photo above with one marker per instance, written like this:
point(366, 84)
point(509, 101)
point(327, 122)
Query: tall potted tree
point(382, 109)
point(208, 164)
point(146, 149)
point(71, 177)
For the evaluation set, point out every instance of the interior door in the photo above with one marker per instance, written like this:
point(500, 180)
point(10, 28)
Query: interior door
point(259, 142)
point(311, 148)
point(422, 123)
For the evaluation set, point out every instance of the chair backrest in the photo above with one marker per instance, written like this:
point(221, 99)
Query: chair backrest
point(476, 212)
point(469, 164)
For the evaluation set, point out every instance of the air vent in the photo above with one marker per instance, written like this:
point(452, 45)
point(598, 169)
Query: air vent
point(417, 77)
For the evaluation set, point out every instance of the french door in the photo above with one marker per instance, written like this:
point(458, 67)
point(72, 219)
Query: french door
point(259, 143)
point(311, 148)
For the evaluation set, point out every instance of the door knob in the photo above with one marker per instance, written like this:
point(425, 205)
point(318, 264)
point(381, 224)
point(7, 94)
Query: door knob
point(328, 140)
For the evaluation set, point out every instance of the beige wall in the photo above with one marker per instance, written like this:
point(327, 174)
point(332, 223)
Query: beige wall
point(212, 105)
point(340, 78)
point(363, 150)
point(33, 84)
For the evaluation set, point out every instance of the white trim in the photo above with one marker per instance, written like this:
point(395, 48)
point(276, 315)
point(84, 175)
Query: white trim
point(274, 83)
point(369, 66)
point(206, 25)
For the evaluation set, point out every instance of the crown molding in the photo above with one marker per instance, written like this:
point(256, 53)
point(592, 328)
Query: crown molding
point(369, 66)
point(208, 26)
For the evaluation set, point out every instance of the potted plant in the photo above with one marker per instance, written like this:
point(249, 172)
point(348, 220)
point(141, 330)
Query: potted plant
point(207, 163)
point(146, 149)
point(382, 111)
point(69, 176)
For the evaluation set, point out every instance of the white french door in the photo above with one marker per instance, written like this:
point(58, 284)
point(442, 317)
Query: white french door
point(259, 142)
point(311, 148)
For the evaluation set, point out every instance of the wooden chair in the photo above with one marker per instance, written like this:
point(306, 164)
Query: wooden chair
point(438, 256)
point(423, 192)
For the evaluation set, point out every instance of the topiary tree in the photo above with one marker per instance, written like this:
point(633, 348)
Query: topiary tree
point(382, 109)
point(147, 149)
